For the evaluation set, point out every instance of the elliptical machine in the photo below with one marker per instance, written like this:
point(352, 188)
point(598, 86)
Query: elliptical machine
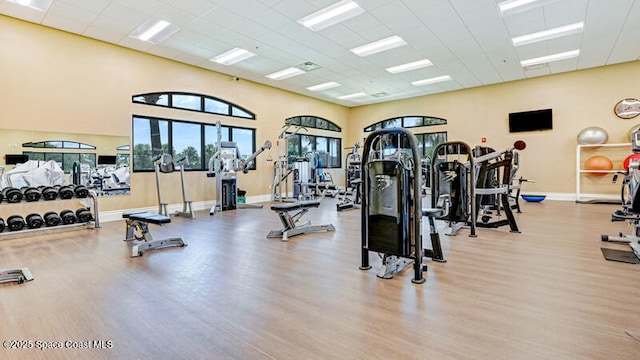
point(391, 205)
point(630, 211)
point(165, 164)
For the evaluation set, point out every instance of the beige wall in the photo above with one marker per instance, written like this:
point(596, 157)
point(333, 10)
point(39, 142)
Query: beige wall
point(578, 99)
point(55, 81)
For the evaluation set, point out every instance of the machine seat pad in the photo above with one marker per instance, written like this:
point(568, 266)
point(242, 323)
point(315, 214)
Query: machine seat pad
point(432, 212)
point(295, 205)
point(147, 217)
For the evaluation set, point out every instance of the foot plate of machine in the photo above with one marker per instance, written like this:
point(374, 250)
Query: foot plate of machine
point(620, 255)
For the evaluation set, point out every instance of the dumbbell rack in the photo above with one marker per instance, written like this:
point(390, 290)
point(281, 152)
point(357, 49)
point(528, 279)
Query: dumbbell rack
point(6, 235)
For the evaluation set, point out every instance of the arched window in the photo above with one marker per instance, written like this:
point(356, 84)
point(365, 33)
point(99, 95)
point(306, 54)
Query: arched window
point(194, 102)
point(406, 122)
point(313, 122)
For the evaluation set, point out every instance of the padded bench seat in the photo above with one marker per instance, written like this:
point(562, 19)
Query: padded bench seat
point(289, 221)
point(139, 220)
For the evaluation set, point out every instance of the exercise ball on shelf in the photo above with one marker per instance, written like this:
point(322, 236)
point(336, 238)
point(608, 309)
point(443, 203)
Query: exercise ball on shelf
point(629, 159)
point(600, 163)
point(593, 135)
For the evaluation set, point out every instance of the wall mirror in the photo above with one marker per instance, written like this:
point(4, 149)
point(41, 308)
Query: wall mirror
point(39, 158)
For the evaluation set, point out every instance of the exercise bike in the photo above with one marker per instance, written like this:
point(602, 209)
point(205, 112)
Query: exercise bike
point(629, 213)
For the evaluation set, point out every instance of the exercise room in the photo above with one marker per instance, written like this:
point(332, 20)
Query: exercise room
point(320, 179)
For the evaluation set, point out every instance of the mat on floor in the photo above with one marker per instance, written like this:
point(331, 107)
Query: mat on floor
point(620, 255)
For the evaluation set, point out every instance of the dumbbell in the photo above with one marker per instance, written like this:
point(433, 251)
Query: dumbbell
point(84, 215)
point(16, 222)
point(48, 193)
point(31, 194)
point(1, 196)
point(12, 194)
point(81, 191)
point(65, 192)
point(51, 218)
point(68, 217)
point(2, 225)
point(34, 221)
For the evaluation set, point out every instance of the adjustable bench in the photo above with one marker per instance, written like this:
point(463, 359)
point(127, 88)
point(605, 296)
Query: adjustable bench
point(289, 220)
point(18, 275)
point(139, 220)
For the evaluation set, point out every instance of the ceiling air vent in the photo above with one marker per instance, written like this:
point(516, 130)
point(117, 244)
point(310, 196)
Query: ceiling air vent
point(308, 66)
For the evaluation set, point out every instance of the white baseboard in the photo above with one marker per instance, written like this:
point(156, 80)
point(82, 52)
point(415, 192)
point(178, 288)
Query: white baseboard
point(106, 216)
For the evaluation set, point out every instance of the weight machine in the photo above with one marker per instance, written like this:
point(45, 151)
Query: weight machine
point(224, 165)
point(282, 169)
point(165, 164)
point(351, 196)
point(391, 198)
point(630, 212)
point(474, 183)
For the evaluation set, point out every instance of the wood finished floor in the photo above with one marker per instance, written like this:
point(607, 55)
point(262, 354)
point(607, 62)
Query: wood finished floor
point(546, 293)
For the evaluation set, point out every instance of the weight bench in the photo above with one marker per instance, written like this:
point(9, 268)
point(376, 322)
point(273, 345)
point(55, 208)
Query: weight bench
point(289, 220)
point(18, 275)
point(139, 220)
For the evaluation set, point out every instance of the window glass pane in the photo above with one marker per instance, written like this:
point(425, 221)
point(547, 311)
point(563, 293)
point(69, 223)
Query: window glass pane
point(35, 156)
point(70, 145)
point(431, 140)
point(89, 159)
point(293, 121)
point(186, 143)
point(306, 144)
point(86, 146)
point(334, 127)
point(150, 138)
point(68, 160)
point(53, 144)
point(57, 157)
point(124, 148)
point(122, 159)
point(211, 139)
point(434, 121)
point(334, 153)
point(308, 121)
point(321, 151)
point(240, 113)
point(392, 123)
point(293, 147)
point(322, 124)
point(216, 106)
point(191, 102)
point(413, 121)
point(153, 99)
point(244, 139)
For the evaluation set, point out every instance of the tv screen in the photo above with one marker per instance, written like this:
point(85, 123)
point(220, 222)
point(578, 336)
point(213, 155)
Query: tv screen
point(15, 159)
point(106, 159)
point(531, 121)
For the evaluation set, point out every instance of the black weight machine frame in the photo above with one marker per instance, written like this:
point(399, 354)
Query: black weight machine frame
point(406, 225)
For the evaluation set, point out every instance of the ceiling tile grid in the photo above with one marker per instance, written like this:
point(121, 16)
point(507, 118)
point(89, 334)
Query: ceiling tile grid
point(469, 40)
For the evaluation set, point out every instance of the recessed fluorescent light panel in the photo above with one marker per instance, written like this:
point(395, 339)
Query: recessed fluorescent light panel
point(352, 96)
point(285, 74)
point(232, 56)
point(433, 80)
point(379, 46)
point(40, 5)
point(324, 86)
point(550, 58)
point(154, 31)
point(516, 6)
point(409, 66)
point(548, 34)
point(331, 15)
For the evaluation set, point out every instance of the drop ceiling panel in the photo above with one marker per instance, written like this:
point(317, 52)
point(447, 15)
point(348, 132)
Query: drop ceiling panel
point(469, 40)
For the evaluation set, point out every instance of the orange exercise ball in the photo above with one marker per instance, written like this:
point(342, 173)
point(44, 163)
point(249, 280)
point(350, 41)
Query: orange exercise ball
point(598, 163)
point(629, 159)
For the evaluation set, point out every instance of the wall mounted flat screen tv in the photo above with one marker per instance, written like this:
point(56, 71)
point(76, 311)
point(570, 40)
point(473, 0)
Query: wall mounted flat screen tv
point(15, 159)
point(531, 121)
